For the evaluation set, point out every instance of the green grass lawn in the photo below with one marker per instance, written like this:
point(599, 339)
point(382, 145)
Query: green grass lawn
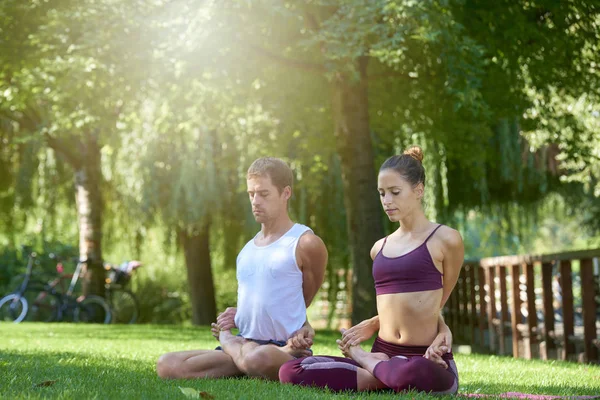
point(114, 362)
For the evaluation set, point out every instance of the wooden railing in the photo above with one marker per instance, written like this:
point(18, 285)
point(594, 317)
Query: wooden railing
point(529, 306)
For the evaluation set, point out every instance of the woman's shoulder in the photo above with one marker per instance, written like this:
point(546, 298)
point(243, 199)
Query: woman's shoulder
point(377, 247)
point(450, 237)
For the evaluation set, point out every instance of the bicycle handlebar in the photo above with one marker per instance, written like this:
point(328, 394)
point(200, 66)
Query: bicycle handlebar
point(58, 258)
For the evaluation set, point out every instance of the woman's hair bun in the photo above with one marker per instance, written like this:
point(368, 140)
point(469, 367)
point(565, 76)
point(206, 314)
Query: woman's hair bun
point(415, 152)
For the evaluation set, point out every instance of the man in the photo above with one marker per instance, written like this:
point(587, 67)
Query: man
point(279, 273)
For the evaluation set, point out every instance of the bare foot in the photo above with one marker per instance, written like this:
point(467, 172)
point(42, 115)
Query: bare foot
point(226, 337)
point(354, 352)
point(366, 359)
point(359, 355)
point(231, 344)
point(295, 352)
point(379, 356)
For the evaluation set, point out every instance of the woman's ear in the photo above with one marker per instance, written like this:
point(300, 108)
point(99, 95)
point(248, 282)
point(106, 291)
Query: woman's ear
point(420, 191)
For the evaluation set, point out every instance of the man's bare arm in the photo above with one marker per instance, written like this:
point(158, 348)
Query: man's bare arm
point(311, 255)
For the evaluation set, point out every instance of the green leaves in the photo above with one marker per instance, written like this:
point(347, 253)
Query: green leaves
point(192, 393)
point(45, 383)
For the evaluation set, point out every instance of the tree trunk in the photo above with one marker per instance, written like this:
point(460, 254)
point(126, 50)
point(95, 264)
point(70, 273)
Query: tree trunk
point(231, 237)
point(363, 212)
point(199, 273)
point(88, 197)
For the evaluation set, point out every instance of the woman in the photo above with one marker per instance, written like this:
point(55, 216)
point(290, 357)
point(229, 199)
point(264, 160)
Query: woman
point(415, 269)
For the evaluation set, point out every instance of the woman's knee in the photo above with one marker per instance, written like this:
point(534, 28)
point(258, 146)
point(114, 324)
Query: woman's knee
point(399, 373)
point(423, 375)
point(290, 372)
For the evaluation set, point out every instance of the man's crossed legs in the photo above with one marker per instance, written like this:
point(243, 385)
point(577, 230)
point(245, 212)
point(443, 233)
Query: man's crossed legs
point(238, 357)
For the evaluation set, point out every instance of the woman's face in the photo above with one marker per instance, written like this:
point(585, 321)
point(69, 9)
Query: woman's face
point(398, 197)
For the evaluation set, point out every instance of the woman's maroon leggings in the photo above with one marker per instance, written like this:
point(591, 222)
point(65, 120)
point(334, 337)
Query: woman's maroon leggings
point(406, 369)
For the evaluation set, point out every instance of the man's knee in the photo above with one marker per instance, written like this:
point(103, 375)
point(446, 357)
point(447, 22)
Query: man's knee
point(260, 361)
point(166, 366)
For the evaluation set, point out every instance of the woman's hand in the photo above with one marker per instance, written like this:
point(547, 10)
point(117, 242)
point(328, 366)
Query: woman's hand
point(359, 333)
point(344, 347)
point(441, 344)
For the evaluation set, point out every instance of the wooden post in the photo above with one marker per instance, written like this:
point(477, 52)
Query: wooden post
point(473, 304)
point(448, 313)
point(531, 350)
point(454, 311)
point(588, 293)
point(464, 315)
point(491, 307)
point(503, 309)
point(515, 309)
point(549, 350)
point(566, 286)
point(459, 315)
point(457, 312)
point(482, 306)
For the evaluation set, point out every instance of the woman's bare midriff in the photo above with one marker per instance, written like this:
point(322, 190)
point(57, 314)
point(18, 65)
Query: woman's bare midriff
point(409, 319)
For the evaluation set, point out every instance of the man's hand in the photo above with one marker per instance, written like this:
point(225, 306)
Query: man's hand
point(225, 322)
point(302, 338)
point(214, 330)
point(359, 333)
point(441, 344)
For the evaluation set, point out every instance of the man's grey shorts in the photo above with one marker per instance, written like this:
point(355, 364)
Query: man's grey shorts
point(278, 343)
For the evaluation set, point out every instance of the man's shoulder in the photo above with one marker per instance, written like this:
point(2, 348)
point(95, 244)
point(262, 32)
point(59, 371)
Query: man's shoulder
point(244, 249)
point(310, 243)
point(249, 242)
point(309, 238)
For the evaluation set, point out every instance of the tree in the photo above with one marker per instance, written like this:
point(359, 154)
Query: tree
point(65, 91)
point(346, 45)
point(430, 70)
point(186, 142)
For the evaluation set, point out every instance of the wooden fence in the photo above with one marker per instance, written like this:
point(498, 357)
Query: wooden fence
point(531, 306)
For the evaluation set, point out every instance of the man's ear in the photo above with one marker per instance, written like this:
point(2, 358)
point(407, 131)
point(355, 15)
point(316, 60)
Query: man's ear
point(287, 192)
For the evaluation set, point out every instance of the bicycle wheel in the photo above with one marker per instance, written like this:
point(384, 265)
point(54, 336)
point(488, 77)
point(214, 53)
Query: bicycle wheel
point(92, 309)
point(13, 308)
point(43, 306)
point(124, 306)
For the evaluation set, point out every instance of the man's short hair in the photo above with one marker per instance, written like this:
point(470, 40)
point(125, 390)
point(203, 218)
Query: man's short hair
point(280, 173)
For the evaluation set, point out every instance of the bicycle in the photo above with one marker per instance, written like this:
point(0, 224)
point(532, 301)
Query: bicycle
point(14, 307)
point(123, 303)
point(58, 305)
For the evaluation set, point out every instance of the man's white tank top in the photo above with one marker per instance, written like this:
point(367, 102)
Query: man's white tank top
point(270, 299)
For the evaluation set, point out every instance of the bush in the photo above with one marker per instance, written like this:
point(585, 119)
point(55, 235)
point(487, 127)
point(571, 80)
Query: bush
point(225, 292)
point(163, 298)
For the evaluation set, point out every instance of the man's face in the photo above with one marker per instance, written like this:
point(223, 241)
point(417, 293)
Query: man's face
point(267, 203)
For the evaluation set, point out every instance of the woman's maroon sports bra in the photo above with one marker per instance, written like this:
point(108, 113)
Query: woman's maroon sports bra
point(411, 272)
